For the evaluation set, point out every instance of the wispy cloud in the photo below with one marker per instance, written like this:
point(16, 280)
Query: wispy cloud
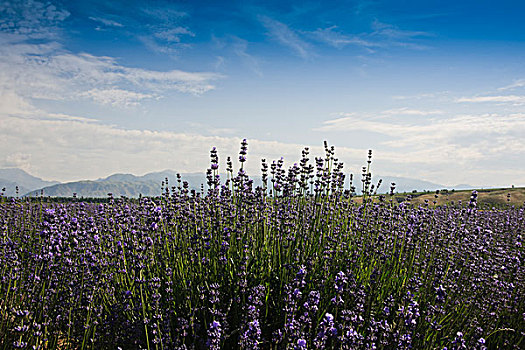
point(188, 82)
point(219, 63)
point(516, 84)
point(410, 111)
point(116, 97)
point(18, 160)
point(67, 117)
point(286, 36)
point(165, 15)
point(47, 71)
point(337, 39)
point(456, 125)
point(78, 145)
point(14, 105)
point(209, 129)
point(173, 34)
point(75, 148)
point(472, 137)
point(383, 35)
point(393, 32)
point(44, 69)
point(166, 41)
point(32, 19)
point(107, 22)
point(502, 99)
point(240, 48)
point(402, 111)
point(154, 45)
point(230, 46)
point(161, 29)
point(442, 95)
point(67, 147)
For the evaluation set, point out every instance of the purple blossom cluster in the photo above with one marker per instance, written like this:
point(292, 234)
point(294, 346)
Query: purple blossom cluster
point(296, 263)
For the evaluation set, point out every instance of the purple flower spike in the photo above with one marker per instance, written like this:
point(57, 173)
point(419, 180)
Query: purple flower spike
point(301, 344)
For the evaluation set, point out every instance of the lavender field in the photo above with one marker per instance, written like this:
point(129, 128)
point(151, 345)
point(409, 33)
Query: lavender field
point(296, 264)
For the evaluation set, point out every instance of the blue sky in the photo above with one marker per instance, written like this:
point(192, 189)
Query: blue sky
point(435, 88)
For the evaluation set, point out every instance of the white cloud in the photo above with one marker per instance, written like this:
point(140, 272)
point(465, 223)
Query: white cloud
point(516, 84)
point(62, 116)
point(69, 149)
point(165, 15)
point(240, 48)
point(440, 140)
point(485, 149)
point(383, 35)
point(409, 111)
point(386, 35)
point(505, 99)
point(161, 29)
point(166, 41)
point(47, 71)
point(209, 129)
point(219, 62)
point(174, 34)
point(447, 127)
point(32, 19)
point(13, 104)
point(116, 97)
point(188, 82)
point(107, 22)
point(65, 147)
point(153, 45)
point(391, 31)
point(18, 160)
point(286, 36)
point(441, 95)
point(339, 40)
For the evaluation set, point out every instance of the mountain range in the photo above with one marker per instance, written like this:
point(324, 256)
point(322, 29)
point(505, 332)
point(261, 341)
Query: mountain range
point(127, 185)
point(406, 184)
point(130, 185)
point(10, 178)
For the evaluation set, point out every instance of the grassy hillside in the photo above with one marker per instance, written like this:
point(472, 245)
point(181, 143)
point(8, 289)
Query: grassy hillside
point(486, 197)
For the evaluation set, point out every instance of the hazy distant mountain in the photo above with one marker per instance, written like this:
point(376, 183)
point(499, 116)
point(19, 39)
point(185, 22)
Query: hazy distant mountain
point(194, 179)
point(12, 177)
point(100, 189)
point(405, 184)
point(10, 188)
point(119, 178)
point(130, 185)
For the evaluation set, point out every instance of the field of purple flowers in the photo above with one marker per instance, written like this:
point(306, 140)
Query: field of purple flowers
point(294, 264)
